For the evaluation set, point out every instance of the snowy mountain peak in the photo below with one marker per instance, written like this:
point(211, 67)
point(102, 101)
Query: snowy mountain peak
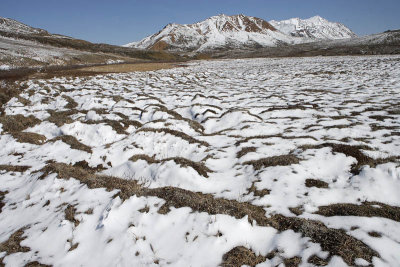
point(10, 25)
point(215, 32)
point(240, 31)
point(314, 28)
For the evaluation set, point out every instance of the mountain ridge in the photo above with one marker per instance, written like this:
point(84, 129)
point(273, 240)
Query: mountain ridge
point(240, 31)
point(215, 32)
point(12, 25)
point(315, 27)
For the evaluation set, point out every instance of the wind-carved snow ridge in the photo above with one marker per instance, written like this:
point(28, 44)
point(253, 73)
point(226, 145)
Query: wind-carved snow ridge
point(240, 31)
point(257, 162)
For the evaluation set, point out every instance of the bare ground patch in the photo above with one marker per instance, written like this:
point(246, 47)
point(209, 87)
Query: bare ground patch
point(2, 196)
point(70, 212)
point(60, 118)
point(18, 123)
point(174, 133)
point(199, 167)
point(245, 150)
point(316, 183)
point(283, 160)
point(14, 168)
point(71, 102)
point(73, 143)
point(13, 243)
point(239, 256)
point(36, 264)
point(366, 209)
point(120, 126)
point(28, 137)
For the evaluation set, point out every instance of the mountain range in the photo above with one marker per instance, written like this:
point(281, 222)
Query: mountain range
point(240, 31)
point(219, 36)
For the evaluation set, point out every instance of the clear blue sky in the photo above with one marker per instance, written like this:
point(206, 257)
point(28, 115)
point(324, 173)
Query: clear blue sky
point(123, 21)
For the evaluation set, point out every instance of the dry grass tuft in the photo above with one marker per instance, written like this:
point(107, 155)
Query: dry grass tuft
point(193, 124)
point(292, 262)
point(246, 150)
point(336, 241)
point(8, 90)
point(317, 261)
point(18, 123)
point(148, 159)
point(127, 188)
point(14, 168)
point(174, 133)
point(316, 183)
point(71, 102)
point(239, 256)
point(60, 118)
point(2, 196)
point(13, 243)
point(375, 234)
point(297, 210)
point(70, 212)
point(28, 137)
point(36, 264)
point(85, 165)
point(283, 160)
point(199, 167)
point(118, 125)
point(258, 193)
point(366, 209)
point(72, 142)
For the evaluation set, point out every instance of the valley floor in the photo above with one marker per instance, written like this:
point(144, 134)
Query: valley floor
point(291, 161)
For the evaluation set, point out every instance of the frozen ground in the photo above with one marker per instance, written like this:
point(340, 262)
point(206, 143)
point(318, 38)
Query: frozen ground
point(267, 162)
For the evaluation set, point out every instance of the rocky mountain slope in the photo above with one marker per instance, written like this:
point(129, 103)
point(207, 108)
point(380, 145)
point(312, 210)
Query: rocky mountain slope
point(11, 25)
point(240, 31)
point(313, 28)
point(220, 31)
point(22, 46)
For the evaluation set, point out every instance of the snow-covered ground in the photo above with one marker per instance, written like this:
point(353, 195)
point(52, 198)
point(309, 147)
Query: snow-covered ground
point(254, 161)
